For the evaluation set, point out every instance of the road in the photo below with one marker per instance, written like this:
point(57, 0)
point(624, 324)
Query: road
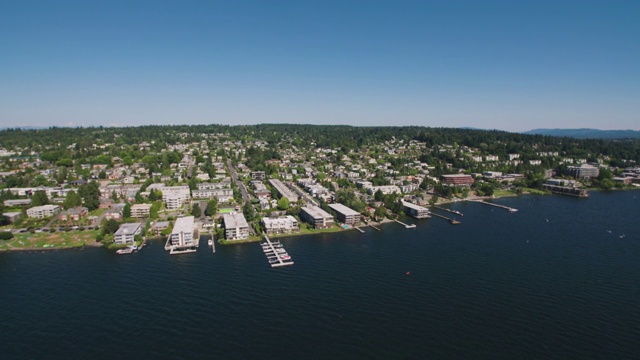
point(243, 190)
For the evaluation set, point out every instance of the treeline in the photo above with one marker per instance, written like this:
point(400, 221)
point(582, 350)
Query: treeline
point(58, 144)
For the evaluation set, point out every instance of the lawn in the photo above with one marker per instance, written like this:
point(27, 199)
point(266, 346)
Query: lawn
point(45, 240)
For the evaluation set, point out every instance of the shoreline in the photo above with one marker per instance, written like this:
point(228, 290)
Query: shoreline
point(337, 229)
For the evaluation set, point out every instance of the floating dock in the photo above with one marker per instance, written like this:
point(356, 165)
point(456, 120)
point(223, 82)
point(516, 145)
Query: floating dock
point(496, 205)
point(275, 253)
point(448, 210)
point(405, 225)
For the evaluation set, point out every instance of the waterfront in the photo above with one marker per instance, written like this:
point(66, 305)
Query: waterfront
point(549, 281)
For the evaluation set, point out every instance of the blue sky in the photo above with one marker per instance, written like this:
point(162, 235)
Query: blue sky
point(511, 65)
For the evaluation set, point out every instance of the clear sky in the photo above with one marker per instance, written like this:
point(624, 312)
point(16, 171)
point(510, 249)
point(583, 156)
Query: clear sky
point(511, 65)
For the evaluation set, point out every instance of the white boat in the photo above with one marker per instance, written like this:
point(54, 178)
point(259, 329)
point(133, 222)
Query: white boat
point(210, 242)
point(286, 257)
point(126, 250)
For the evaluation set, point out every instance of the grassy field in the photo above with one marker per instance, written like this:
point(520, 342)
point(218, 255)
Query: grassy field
point(45, 240)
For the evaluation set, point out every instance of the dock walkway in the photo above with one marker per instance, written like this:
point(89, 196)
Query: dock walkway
point(405, 225)
point(452, 221)
point(448, 210)
point(496, 205)
point(273, 253)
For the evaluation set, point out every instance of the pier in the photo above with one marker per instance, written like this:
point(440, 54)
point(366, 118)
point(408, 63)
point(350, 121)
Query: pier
point(370, 224)
point(357, 228)
point(496, 205)
point(405, 225)
point(448, 210)
point(451, 221)
point(275, 253)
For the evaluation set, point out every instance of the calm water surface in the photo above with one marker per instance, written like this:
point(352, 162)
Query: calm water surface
point(560, 279)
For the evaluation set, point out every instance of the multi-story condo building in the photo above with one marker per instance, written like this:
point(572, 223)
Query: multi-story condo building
point(175, 197)
point(283, 190)
point(415, 211)
point(235, 226)
point(44, 211)
point(317, 217)
point(140, 210)
point(221, 194)
point(280, 225)
point(457, 179)
point(126, 233)
point(257, 175)
point(346, 215)
point(385, 189)
point(583, 171)
point(182, 233)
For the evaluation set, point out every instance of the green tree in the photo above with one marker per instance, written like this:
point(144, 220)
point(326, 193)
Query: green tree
point(283, 203)
point(126, 211)
point(90, 193)
point(195, 210)
point(39, 198)
point(380, 212)
point(247, 210)
point(212, 207)
point(110, 226)
point(72, 200)
point(155, 208)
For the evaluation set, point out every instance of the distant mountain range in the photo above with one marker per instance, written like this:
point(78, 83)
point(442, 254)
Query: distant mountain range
point(587, 133)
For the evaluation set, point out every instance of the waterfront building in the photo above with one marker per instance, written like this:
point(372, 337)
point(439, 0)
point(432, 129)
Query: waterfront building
point(415, 211)
point(283, 190)
point(457, 179)
point(584, 171)
point(346, 215)
point(182, 233)
point(235, 226)
point(44, 211)
point(140, 210)
point(126, 233)
point(280, 225)
point(315, 216)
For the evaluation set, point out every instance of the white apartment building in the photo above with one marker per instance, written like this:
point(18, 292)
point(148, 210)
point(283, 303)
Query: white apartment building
point(126, 233)
point(236, 227)
point(44, 211)
point(280, 225)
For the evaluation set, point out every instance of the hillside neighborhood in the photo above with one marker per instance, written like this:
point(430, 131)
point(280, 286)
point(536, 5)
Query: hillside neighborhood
point(238, 186)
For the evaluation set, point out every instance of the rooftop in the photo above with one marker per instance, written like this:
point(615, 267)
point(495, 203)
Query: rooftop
point(343, 209)
point(235, 220)
point(183, 224)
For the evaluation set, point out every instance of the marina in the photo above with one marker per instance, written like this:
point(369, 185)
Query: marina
point(275, 252)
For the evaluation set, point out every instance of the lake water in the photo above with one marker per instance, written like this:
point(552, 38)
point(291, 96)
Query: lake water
point(559, 279)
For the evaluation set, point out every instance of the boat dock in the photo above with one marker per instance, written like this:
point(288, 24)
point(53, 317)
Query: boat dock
point(496, 205)
point(451, 221)
point(357, 228)
point(448, 210)
point(275, 253)
point(405, 225)
point(373, 226)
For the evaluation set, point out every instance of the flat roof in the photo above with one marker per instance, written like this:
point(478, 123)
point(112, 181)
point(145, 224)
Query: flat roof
point(414, 206)
point(141, 206)
point(128, 228)
point(343, 209)
point(235, 220)
point(183, 224)
point(316, 212)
